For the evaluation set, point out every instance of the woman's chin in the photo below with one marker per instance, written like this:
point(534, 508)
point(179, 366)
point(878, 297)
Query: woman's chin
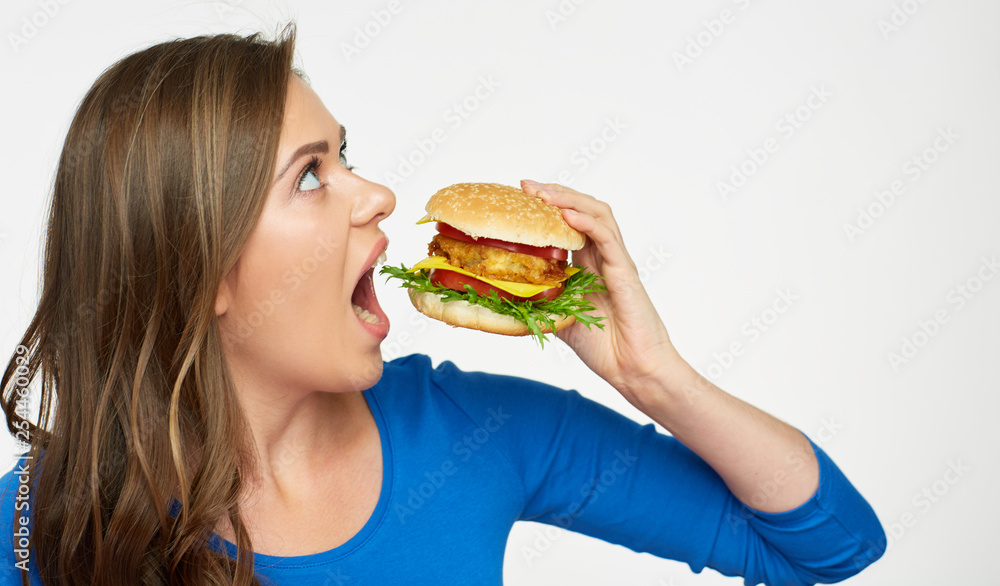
point(367, 374)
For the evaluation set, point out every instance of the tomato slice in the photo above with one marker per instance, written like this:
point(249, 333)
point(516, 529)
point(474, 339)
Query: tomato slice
point(539, 251)
point(458, 281)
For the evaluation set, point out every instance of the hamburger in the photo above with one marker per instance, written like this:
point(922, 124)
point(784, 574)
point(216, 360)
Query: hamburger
point(499, 263)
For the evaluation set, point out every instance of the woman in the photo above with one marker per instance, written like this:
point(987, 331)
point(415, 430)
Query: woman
point(213, 411)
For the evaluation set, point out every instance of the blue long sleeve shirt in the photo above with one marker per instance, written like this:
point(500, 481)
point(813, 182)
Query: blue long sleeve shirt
point(466, 454)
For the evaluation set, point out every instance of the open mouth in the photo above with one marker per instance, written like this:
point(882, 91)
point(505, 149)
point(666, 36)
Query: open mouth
point(363, 300)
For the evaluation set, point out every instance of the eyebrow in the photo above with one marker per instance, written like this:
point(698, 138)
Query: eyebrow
point(320, 146)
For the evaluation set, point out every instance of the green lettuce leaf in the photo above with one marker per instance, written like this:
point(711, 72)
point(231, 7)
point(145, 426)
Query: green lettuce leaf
point(534, 314)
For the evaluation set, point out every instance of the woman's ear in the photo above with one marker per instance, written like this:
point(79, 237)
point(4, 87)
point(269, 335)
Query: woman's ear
point(227, 289)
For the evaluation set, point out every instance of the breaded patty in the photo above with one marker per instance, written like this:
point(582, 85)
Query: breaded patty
point(496, 263)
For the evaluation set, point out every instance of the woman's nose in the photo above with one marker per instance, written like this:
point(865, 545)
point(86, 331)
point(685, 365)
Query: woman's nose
point(375, 203)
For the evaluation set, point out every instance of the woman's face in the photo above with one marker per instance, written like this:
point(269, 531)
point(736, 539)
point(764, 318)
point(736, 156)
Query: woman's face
point(289, 309)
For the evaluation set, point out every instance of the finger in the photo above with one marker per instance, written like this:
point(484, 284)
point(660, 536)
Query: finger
point(565, 197)
point(607, 240)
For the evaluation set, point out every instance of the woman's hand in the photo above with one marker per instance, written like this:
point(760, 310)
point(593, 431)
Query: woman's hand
point(633, 348)
point(634, 354)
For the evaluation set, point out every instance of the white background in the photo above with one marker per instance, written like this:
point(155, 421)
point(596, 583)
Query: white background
point(711, 263)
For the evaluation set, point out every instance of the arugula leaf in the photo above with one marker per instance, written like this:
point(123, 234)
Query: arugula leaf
point(533, 314)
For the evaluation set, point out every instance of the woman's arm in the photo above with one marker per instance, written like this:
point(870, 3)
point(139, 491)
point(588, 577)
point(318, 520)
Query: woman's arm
point(767, 464)
point(587, 468)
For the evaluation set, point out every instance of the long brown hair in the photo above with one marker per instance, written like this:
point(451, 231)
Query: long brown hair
point(138, 443)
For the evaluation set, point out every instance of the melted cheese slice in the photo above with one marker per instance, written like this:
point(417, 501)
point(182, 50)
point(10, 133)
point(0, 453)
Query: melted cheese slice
point(518, 289)
point(426, 219)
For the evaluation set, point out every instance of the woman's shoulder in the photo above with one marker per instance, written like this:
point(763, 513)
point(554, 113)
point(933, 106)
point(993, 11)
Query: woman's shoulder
point(415, 378)
point(456, 398)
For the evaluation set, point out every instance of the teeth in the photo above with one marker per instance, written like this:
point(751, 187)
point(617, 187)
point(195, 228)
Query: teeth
point(364, 314)
point(379, 261)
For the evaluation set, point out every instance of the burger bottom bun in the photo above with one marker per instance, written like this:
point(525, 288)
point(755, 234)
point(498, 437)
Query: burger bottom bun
point(476, 317)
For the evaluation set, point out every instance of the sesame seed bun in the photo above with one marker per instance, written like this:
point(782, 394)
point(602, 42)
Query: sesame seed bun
point(492, 210)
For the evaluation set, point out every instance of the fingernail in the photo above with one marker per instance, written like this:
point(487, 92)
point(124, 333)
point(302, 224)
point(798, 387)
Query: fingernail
point(528, 182)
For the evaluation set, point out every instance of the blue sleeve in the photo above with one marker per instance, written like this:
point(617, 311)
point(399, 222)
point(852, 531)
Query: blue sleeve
point(590, 469)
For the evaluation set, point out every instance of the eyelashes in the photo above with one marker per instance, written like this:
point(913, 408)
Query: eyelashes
point(343, 157)
point(309, 177)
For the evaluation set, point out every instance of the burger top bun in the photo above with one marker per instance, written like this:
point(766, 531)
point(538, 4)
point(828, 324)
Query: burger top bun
point(492, 210)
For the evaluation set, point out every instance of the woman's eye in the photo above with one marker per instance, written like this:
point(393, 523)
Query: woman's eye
point(309, 181)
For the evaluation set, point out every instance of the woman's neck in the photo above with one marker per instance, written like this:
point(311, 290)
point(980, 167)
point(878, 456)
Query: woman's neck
point(292, 434)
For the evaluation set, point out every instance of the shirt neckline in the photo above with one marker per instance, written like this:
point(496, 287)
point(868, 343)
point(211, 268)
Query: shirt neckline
point(359, 538)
